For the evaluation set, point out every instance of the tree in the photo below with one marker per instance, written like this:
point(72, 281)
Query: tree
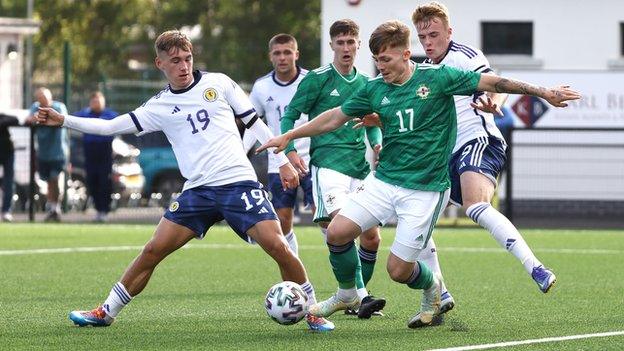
point(106, 34)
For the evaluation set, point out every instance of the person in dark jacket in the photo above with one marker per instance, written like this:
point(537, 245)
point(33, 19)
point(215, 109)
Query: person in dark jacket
point(98, 152)
point(7, 160)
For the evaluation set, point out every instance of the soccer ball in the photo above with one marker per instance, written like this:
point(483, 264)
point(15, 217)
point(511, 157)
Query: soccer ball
point(286, 303)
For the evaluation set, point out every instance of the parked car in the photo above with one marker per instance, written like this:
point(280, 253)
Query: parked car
point(163, 180)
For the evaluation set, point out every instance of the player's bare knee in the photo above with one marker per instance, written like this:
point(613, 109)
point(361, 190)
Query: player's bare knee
point(279, 250)
point(336, 235)
point(152, 253)
point(370, 240)
point(397, 274)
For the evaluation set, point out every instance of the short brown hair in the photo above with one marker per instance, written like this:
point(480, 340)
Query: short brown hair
point(425, 13)
point(172, 39)
point(345, 27)
point(96, 93)
point(282, 38)
point(389, 34)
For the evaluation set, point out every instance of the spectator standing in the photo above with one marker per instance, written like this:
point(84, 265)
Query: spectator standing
point(98, 153)
point(52, 151)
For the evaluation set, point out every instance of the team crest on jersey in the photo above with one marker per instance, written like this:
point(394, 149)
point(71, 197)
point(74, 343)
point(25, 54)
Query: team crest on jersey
point(210, 94)
point(174, 206)
point(422, 91)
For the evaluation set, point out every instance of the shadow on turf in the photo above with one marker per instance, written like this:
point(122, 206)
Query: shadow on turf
point(455, 325)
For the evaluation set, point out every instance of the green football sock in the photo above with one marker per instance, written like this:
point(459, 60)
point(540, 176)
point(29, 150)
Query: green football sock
point(359, 280)
point(368, 259)
point(421, 279)
point(344, 261)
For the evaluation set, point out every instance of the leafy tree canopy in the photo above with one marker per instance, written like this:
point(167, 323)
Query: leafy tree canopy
point(114, 38)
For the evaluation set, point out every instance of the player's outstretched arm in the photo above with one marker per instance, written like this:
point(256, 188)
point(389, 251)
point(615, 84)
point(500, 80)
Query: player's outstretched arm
point(121, 125)
point(557, 96)
point(323, 123)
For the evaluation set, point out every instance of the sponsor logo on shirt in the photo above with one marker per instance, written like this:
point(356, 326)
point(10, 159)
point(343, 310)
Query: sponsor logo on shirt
point(210, 94)
point(385, 101)
point(334, 93)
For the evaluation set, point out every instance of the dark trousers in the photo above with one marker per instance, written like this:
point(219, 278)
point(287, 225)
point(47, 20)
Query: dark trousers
point(99, 167)
point(7, 161)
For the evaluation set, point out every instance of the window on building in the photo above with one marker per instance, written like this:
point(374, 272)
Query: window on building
point(507, 38)
point(622, 38)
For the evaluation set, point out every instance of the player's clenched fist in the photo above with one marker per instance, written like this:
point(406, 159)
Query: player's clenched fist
point(289, 176)
point(49, 117)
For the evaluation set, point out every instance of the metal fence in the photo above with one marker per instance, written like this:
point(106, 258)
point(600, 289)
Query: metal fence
point(560, 177)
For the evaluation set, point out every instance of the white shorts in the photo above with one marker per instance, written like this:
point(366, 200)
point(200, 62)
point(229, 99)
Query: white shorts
point(416, 211)
point(331, 190)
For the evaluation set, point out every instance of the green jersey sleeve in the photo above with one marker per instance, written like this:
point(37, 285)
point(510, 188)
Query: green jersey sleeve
point(460, 82)
point(303, 101)
point(373, 134)
point(358, 104)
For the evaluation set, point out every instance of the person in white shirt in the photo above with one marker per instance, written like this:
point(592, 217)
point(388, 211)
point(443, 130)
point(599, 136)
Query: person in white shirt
point(270, 96)
point(479, 152)
point(197, 112)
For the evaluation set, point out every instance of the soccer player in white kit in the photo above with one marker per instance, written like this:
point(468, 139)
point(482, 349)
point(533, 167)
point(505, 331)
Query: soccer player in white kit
point(270, 96)
point(479, 152)
point(196, 111)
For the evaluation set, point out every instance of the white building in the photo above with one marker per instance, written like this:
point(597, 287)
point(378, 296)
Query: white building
point(562, 34)
point(12, 32)
point(578, 173)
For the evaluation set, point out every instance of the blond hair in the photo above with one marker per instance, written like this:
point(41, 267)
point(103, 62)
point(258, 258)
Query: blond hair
point(390, 34)
point(425, 13)
point(172, 39)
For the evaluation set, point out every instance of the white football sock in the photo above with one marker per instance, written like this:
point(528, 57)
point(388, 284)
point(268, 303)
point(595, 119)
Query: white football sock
point(362, 293)
point(346, 294)
point(117, 299)
point(429, 255)
point(504, 232)
point(309, 289)
point(292, 242)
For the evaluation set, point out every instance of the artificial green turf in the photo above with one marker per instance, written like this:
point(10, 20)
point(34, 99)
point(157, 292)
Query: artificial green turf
point(210, 296)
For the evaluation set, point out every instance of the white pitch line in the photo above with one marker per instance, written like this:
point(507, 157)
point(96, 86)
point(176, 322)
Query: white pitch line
point(531, 341)
point(304, 247)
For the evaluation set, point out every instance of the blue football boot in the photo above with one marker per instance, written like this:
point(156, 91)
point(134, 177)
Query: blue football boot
point(95, 318)
point(544, 278)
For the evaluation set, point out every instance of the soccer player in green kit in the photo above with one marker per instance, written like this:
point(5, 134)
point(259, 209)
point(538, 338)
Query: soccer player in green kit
point(338, 158)
point(417, 110)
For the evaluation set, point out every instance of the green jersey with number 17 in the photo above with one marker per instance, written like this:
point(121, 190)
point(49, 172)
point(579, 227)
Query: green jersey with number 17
point(419, 123)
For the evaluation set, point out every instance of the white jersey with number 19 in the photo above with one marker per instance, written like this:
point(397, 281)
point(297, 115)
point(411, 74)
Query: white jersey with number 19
point(199, 123)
